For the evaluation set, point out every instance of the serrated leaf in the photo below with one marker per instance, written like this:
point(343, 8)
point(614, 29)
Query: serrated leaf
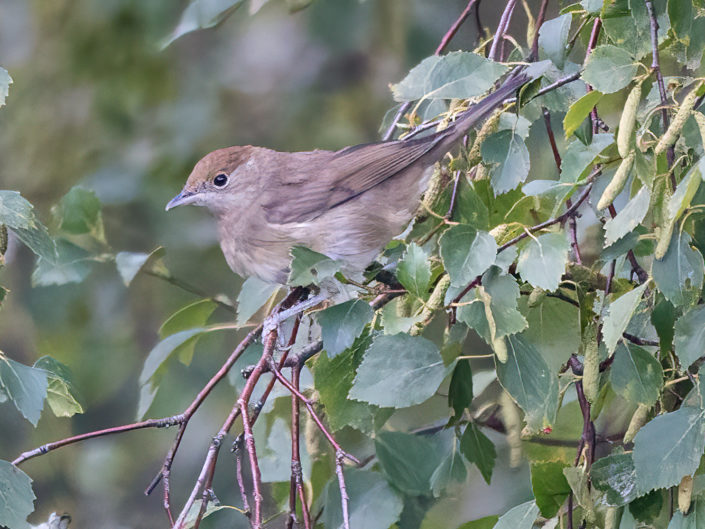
point(527, 378)
point(79, 213)
point(684, 193)
point(398, 371)
point(629, 218)
point(254, 293)
point(16, 497)
point(506, 154)
point(333, 379)
point(129, 264)
point(273, 440)
point(341, 324)
point(542, 261)
point(615, 476)
point(549, 486)
point(578, 156)
point(503, 293)
point(25, 386)
point(690, 336)
point(668, 447)
point(479, 450)
point(62, 396)
point(408, 460)
point(457, 75)
point(679, 275)
point(466, 253)
point(373, 503)
point(202, 14)
point(520, 517)
point(609, 68)
point(620, 312)
point(460, 389)
point(636, 375)
point(414, 271)
point(680, 13)
point(553, 37)
point(579, 110)
point(193, 315)
point(72, 265)
point(450, 470)
point(309, 267)
point(18, 215)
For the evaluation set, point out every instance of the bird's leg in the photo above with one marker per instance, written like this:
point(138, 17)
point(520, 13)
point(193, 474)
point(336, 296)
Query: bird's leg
point(273, 321)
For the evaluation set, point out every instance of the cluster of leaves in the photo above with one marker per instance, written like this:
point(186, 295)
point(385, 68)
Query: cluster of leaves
point(596, 341)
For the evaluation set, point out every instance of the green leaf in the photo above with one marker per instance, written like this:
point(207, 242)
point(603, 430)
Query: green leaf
point(542, 260)
point(408, 460)
point(527, 378)
point(690, 336)
point(615, 477)
point(579, 110)
point(508, 158)
point(202, 14)
point(273, 441)
point(466, 253)
point(129, 264)
point(684, 193)
point(553, 37)
point(333, 379)
point(592, 6)
point(520, 517)
point(62, 395)
point(549, 486)
point(341, 324)
point(79, 213)
point(414, 271)
point(620, 312)
point(254, 293)
point(25, 386)
point(488, 522)
point(72, 265)
point(398, 371)
point(457, 75)
point(679, 275)
point(629, 218)
point(553, 328)
point(579, 157)
point(16, 497)
point(451, 469)
point(309, 267)
point(5, 82)
point(18, 215)
point(373, 503)
point(609, 68)
point(191, 316)
point(668, 447)
point(695, 519)
point(636, 375)
point(503, 293)
point(460, 389)
point(680, 12)
point(478, 449)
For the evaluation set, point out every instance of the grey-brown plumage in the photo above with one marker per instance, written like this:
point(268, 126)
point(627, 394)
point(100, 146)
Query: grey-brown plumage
point(346, 204)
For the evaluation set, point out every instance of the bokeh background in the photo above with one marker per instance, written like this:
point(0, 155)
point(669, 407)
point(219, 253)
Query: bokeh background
point(96, 103)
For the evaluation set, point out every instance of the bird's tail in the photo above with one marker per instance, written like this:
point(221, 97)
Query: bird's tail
point(480, 110)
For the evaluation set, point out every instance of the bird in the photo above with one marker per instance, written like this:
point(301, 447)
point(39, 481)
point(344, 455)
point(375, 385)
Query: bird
point(346, 204)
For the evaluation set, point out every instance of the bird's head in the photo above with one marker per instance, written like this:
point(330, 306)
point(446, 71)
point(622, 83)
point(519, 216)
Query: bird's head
point(215, 181)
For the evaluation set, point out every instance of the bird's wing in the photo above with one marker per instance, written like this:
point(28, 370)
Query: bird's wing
point(347, 174)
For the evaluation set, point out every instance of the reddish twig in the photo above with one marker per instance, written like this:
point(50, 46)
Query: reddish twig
point(404, 108)
point(344, 498)
point(501, 29)
point(534, 55)
point(296, 485)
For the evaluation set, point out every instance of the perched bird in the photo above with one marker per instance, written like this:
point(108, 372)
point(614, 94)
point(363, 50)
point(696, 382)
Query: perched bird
point(346, 204)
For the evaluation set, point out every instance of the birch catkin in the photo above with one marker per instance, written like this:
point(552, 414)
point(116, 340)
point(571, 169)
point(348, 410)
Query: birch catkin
point(617, 183)
point(627, 121)
point(684, 111)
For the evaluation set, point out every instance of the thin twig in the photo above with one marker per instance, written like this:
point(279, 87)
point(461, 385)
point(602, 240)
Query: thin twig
point(344, 498)
point(296, 485)
point(404, 108)
point(534, 55)
point(501, 29)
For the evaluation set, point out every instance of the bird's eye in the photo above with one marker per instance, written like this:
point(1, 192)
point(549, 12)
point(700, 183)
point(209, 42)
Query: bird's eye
point(220, 180)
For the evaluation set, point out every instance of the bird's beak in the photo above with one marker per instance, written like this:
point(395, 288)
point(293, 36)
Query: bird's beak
point(183, 198)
